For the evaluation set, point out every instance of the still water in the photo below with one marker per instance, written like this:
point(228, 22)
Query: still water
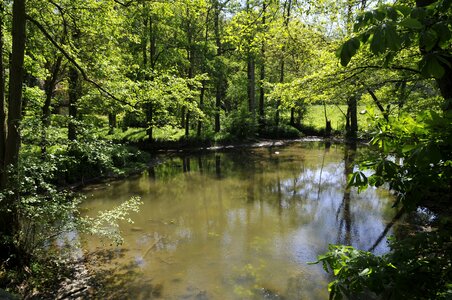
point(240, 224)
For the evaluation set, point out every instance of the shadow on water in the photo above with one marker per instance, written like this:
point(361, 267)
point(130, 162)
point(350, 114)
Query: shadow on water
point(112, 278)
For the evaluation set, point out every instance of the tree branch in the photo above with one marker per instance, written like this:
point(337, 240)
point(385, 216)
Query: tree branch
point(377, 102)
point(73, 62)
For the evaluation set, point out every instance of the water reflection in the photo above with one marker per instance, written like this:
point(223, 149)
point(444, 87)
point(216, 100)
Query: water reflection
point(243, 224)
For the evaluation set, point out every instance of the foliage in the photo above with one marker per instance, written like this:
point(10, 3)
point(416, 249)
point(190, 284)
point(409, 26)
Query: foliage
point(422, 146)
point(417, 268)
point(241, 125)
point(391, 28)
point(106, 224)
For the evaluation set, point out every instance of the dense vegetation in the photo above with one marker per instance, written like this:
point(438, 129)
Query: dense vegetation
point(79, 79)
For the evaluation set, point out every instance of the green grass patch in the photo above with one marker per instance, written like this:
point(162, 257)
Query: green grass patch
point(315, 117)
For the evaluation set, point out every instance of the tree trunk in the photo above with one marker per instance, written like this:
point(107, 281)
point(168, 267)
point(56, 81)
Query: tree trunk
point(352, 118)
point(9, 222)
point(2, 98)
point(201, 106)
point(111, 123)
point(187, 124)
point(251, 85)
point(278, 102)
point(262, 74)
point(144, 38)
point(251, 74)
point(445, 85)
point(49, 87)
point(74, 93)
point(150, 122)
point(15, 84)
point(286, 14)
point(153, 43)
point(219, 84)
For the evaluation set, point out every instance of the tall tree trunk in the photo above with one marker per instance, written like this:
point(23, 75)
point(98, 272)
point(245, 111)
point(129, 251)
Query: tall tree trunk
point(251, 74)
point(2, 98)
point(219, 84)
point(201, 106)
point(153, 42)
point(191, 67)
point(292, 116)
point(111, 122)
point(262, 74)
point(9, 223)
point(74, 93)
point(150, 122)
point(144, 38)
point(251, 84)
point(352, 118)
point(15, 84)
point(286, 14)
point(281, 80)
point(49, 87)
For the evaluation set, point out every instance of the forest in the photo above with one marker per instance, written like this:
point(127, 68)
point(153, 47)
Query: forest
point(93, 89)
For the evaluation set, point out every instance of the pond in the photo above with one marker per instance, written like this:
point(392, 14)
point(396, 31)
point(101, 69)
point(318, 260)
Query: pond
point(240, 224)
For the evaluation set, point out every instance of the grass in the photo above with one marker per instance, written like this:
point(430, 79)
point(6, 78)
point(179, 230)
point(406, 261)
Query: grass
point(315, 117)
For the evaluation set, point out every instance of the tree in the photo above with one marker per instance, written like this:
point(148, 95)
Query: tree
point(9, 215)
point(391, 28)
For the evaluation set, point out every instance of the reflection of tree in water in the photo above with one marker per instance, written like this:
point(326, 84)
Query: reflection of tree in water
point(344, 235)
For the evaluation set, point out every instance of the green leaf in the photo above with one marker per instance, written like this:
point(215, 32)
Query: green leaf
point(428, 39)
point(379, 14)
point(402, 9)
point(430, 66)
point(411, 23)
point(392, 13)
point(443, 32)
point(393, 41)
point(348, 50)
point(377, 44)
point(365, 272)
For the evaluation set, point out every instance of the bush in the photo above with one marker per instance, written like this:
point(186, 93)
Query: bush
point(281, 132)
point(240, 125)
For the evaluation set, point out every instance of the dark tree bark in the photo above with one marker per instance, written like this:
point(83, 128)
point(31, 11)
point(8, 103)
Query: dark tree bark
point(220, 83)
point(153, 42)
point(191, 68)
point(278, 102)
point(286, 14)
point(74, 93)
point(352, 118)
point(49, 88)
point(262, 73)
point(9, 222)
point(15, 84)
point(112, 123)
point(150, 122)
point(251, 75)
point(2, 98)
point(201, 106)
point(251, 70)
point(144, 39)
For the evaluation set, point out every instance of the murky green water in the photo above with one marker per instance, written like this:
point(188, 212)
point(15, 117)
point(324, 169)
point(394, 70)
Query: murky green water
point(237, 225)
